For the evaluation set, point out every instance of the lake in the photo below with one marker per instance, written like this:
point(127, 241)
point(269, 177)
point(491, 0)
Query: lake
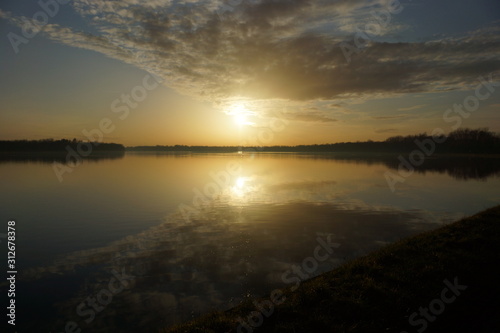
point(145, 240)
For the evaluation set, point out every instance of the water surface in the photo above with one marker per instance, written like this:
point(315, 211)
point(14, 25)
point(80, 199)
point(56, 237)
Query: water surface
point(196, 232)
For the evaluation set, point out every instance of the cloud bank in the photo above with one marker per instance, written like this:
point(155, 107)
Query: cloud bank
point(273, 49)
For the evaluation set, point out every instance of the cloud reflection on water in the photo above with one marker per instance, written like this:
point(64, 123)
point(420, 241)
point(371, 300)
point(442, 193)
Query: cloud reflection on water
point(184, 269)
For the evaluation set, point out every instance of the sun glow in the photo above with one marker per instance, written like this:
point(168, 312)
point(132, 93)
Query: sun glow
point(240, 119)
point(240, 182)
point(240, 114)
point(241, 187)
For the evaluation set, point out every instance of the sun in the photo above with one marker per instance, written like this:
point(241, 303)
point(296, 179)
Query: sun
point(240, 114)
point(240, 119)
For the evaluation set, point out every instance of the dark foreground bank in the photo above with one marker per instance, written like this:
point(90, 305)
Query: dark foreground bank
point(446, 280)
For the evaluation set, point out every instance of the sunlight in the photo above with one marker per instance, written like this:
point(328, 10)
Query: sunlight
point(240, 114)
point(240, 119)
point(240, 187)
point(240, 182)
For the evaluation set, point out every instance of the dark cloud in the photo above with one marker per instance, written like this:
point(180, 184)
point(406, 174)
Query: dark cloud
point(309, 115)
point(313, 117)
point(334, 106)
point(386, 130)
point(389, 117)
point(414, 107)
point(286, 49)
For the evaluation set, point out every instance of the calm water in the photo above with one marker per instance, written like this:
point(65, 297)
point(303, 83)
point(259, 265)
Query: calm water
point(192, 233)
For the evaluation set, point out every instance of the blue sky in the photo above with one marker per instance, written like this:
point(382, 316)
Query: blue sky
point(220, 63)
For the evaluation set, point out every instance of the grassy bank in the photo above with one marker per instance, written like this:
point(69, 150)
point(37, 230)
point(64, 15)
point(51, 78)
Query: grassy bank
point(382, 291)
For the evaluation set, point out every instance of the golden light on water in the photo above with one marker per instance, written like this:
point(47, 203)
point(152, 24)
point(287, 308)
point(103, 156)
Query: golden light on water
point(241, 187)
point(240, 182)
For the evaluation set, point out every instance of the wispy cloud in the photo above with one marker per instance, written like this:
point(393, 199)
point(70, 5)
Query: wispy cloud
point(310, 117)
point(415, 107)
point(389, 117)
point(263, 50)
point(386, 130)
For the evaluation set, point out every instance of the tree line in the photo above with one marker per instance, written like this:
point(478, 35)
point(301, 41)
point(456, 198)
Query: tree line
point(461, 141)
point(52, 145)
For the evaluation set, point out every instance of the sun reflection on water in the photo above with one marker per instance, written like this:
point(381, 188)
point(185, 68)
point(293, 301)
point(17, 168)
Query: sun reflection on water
point(241, 187)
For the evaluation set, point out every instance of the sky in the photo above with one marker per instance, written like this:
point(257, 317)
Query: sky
point(247, 72)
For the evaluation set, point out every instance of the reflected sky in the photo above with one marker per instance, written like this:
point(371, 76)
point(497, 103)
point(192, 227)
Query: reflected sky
point(184, 269)
point(257, 215)
point(101, 202)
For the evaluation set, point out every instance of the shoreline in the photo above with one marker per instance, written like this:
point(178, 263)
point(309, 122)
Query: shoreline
point(388, 290)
